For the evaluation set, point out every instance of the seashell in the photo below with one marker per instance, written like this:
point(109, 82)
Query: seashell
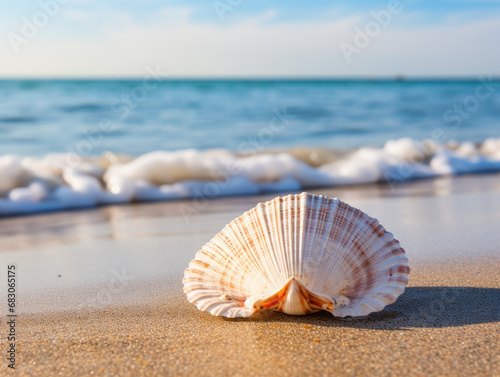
point(298, 254)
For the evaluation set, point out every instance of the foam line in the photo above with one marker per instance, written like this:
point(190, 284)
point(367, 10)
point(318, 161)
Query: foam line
point(57, 182)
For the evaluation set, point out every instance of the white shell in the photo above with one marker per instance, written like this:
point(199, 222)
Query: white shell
point(298, 254)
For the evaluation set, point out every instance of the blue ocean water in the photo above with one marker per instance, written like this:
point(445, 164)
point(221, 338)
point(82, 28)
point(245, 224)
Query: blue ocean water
point(90, 117)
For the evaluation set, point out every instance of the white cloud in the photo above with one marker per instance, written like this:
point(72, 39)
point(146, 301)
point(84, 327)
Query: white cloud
point(257, 47)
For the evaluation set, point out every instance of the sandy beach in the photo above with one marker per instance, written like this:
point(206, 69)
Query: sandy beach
point(132, 133)
point(100, 292)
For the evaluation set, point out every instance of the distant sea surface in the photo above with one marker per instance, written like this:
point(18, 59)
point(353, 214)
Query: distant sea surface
point(38, 117)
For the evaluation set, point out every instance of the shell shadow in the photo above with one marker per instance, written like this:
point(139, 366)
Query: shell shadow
point(417, 307)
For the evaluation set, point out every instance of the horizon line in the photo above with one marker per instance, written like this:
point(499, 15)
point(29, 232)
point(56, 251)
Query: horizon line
point(366, 78)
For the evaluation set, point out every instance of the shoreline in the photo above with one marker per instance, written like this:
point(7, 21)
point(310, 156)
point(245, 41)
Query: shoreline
point(64, 225)
point(59, 182)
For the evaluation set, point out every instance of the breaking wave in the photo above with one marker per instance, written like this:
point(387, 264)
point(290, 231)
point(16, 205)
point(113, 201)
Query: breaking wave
point(66, 181)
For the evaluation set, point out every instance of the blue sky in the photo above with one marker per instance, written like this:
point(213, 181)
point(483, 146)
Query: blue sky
point(253, 38)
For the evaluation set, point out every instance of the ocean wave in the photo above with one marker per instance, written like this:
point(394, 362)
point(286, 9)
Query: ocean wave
point(83, 107)
point(66, 181)
point(18, 119)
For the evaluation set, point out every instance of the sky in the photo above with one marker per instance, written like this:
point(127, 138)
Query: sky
point(249, 38)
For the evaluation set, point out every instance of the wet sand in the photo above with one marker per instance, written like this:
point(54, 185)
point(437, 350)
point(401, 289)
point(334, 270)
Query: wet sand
point(100, 292)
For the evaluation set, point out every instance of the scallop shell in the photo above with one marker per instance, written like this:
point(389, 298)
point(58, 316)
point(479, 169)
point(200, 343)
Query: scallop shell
point(298, 254)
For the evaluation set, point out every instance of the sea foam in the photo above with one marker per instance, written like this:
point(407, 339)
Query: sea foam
point(62, 181)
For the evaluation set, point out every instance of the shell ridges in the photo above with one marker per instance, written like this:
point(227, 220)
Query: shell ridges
point(327, 246)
